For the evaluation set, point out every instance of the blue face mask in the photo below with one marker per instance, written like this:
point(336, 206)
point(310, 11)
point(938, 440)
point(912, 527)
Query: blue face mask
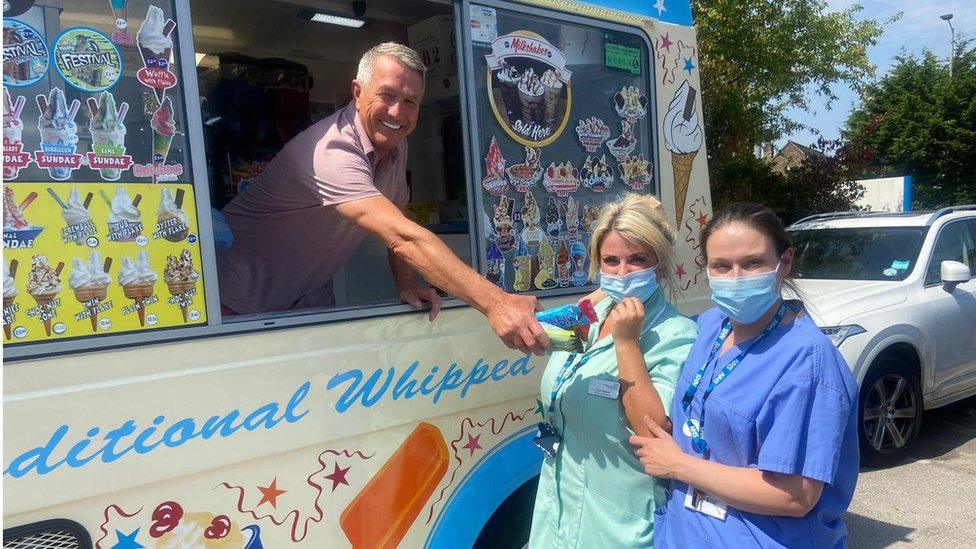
point(638, 284)
point(745, 298)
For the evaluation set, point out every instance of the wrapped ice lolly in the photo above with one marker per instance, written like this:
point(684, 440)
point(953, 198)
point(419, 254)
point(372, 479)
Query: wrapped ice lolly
point(569, 316)
point(563, 340)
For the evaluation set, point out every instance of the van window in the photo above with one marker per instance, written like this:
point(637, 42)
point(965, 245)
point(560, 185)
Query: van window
point(564, 125)
point(100, 235)
point(272, 83)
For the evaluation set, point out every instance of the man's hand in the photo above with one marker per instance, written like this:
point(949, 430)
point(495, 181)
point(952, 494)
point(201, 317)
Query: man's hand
point(512, 318)
point(415, 296)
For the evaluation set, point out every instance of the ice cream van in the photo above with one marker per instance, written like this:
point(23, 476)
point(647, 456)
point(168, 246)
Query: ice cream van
point(137, 413)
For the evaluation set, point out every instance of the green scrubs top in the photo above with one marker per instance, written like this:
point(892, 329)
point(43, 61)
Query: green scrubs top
point(594, 493)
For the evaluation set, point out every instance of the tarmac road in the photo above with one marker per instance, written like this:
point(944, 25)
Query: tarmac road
point(929, 500)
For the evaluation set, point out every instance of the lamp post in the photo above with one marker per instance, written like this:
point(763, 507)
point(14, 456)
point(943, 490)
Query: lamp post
point(952, 41)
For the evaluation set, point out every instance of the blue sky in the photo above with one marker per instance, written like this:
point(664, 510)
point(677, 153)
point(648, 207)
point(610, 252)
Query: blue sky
point(919, 28)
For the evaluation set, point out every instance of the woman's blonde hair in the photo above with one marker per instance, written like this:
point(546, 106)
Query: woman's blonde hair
point(639, 219)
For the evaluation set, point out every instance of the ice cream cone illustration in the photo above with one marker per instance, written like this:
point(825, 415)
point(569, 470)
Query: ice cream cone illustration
point(683, 138)
point(155, 43)
point(164, 128)
point(172, 222)
point(138, 281)
point(59, 133)
point(181, 279)
point(9, 295)
point(90, 282)
point(44, 284)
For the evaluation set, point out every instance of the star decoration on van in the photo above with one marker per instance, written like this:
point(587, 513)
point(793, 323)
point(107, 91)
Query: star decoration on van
point(702, 219)
point(539, 408)
point(680, 272)
point(338, 476)
point(666, 42)
point(659, 6)
point(127, 541)
point(689, 66)
point(270, 493)
point(473, 444)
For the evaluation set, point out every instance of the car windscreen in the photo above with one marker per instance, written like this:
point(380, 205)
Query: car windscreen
point(869, 253)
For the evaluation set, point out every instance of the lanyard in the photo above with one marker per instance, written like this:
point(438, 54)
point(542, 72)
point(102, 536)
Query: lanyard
point(568, 368)
point(726, 371)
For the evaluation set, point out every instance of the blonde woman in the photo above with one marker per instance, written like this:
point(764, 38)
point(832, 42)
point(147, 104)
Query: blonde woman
point(592, 489)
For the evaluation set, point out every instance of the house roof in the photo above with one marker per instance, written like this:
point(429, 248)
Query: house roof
point(809, 152)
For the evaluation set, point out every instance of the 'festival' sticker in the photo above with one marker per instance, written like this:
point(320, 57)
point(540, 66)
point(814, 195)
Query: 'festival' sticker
point(87, 59)
point(25, 55)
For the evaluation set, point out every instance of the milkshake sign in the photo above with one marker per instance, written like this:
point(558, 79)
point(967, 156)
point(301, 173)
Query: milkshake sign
point(529, 88)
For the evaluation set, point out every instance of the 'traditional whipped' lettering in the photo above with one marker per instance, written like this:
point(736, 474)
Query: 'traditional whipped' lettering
point(142, 439)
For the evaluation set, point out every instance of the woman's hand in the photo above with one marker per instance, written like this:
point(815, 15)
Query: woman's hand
point(626, 320)
point(658, 453)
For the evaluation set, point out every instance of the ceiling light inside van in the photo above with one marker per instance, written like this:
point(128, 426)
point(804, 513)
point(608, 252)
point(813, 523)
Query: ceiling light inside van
point(333, 19)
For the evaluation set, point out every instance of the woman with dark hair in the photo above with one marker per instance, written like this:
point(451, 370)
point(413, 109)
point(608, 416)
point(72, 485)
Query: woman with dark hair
point(765, 450)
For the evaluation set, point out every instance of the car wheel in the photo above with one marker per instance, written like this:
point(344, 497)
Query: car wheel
point(510, 524)
point(890, 415)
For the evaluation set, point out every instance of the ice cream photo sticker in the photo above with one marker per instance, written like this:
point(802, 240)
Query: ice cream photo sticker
point(592, 133)
point(10, 307)
point(107, 127)
point(120, 11)
point(89, 281)
point(683, 139)
point(44, 285)
point(494, 181)
point(172, 223)
point(155, 46)
point(596, 174)
point(59, 135)
point(78, 221)
point(17, 231)
point(124, 220)
point(630, 103)
point(87, 59)
point(164, 129)
point(14, 157)
point(561, 179)
point(524, 176)
point(529, 88)
point(25, 55)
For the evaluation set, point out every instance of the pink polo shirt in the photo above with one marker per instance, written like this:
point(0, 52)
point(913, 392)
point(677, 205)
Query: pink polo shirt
point(288, 238)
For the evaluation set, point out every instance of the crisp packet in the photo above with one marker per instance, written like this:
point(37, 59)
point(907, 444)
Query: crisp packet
point(563, 340)
point(568, 316)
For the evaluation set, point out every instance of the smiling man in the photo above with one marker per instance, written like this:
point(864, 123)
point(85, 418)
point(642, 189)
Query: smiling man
point(339, 180)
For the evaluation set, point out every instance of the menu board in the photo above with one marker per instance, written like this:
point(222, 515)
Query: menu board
point(550, 163)
point(100, 219)
point(99, 258)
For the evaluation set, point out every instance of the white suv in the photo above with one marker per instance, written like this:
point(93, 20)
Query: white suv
point(896, 293)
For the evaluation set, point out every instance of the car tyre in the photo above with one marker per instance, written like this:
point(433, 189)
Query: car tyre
point(510, 524)
point(890, 412)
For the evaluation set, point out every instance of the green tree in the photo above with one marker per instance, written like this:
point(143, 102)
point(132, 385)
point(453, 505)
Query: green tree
point(918, 121)
point(760, 58)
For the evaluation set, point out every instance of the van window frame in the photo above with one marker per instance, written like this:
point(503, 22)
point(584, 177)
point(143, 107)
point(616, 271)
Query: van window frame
point(216, 326)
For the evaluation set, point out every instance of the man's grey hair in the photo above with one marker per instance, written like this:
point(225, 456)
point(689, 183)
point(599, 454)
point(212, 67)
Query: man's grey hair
point(401, 53)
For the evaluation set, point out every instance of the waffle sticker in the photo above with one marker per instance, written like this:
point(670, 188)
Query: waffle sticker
point(494, 181)
point(596, 174)
point(25, 55)
point(87, 60)
point(592, 133)
point(630, 103)
point(155, 47)
point(561, 179)
point(524, 176)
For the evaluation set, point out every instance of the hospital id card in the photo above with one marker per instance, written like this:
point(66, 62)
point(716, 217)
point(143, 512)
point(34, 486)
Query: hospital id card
point(696, 500)
point(604, 388)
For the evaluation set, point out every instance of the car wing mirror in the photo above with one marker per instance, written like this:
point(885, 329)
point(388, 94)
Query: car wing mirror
point(954, 273)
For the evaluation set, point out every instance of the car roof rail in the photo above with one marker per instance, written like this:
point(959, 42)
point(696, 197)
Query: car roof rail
point(828, 215)
point(951, 209)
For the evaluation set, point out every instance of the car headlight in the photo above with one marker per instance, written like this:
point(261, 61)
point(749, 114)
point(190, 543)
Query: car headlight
point(837, 334)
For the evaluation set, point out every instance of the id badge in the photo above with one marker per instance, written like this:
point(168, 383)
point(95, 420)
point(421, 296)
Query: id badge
point(547, 439)
point(697, 500)
point(604, 388)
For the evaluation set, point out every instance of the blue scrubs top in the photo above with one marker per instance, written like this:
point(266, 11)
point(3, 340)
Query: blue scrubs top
point(789, 407)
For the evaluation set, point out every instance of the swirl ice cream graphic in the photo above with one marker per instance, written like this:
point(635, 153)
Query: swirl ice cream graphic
point(107, 129)
point(14, 157)
point(89, 281)
point(138, 281)
point(59, 135)
point(683, 138)
point(494, 181)
point(124, 219)
point(78, 221)
point(44, 285)
point(172, 223)
point(164, 128)
point(155, 46)
point(181, 279)
point(9, 295)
